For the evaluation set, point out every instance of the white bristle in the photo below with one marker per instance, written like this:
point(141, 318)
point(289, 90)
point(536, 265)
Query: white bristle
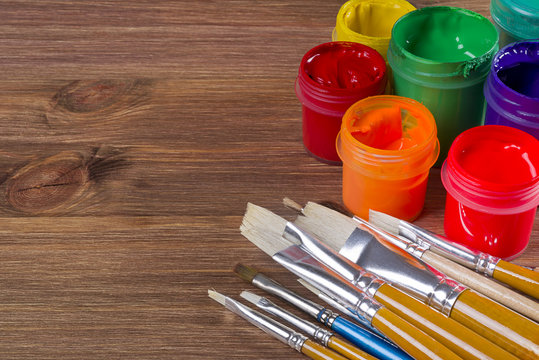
point(249, 296)
point(270, 243)
point(309, 287)
point(220, 298)
point(263, 219)
point(384, 221)
point(291, 204)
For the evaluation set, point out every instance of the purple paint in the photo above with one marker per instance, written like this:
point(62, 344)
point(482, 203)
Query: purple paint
point(512, 88)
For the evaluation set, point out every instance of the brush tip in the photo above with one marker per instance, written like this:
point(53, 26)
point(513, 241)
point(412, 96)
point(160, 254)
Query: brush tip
point(220, 298)
point(251, 297)
point(245, 272)
point(309, 287)
point(291, 204)
point(384, 221)
point(262, 218)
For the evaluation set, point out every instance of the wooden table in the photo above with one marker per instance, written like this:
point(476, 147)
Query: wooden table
point(133, 133)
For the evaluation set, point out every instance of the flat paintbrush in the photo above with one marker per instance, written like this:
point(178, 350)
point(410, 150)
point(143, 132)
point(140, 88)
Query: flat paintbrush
point(409, 338)
point(501, 326)
point(517, 277)
point(455, 336)
point(319, 334)
point(286, 335)
point(362, 338)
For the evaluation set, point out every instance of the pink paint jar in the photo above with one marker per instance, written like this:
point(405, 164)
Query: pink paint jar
point(492, 180)
point(332, 77)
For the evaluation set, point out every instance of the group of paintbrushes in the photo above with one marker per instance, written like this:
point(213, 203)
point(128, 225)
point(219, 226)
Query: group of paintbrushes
point(410, 293)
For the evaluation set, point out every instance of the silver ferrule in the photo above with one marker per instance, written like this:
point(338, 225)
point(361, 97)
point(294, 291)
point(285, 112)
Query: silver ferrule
point(319, 334)
point(367, 282)
point(268, 325)
point(402, 270)
point(270, 286)
point(299, 262)
point(472, 259)
point(415, 249)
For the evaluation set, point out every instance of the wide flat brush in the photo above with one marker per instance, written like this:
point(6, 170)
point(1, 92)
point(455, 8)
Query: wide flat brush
point(509, 330)
point(455, 336)
point(319, 334)
point(362, 338)
point(517, 277)
point(409, 338)
point(286, 335)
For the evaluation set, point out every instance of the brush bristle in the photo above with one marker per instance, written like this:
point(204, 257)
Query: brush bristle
point(249, 296)
point(245, 272)
point(384, 221)
point(291, 204)
point(220, 298)
point(309, 287)
point(270, 243)
point(263, 219)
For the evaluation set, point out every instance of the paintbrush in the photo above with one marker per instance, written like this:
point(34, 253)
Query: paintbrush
point(362, 338)
point(455, 336)
point(319, 334)
point(409, 338)
point(283, 333)
point(363, 245)
point(517, 277)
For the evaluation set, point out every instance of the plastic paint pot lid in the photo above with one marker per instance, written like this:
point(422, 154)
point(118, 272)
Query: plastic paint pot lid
point(518, 17)
point(493, 169)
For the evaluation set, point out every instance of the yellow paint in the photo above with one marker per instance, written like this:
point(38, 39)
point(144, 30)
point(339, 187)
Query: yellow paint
point(369, 22)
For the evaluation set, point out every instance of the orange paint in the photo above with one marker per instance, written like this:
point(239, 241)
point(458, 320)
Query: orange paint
point(387, 145)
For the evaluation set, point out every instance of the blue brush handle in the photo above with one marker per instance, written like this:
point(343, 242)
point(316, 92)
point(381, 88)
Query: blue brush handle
point(367, 341)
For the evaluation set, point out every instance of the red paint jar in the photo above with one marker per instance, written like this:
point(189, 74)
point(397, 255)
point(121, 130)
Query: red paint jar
point(331, 77)
point(492, 182)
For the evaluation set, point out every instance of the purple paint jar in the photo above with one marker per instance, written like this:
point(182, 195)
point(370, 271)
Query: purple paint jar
point(512, 88)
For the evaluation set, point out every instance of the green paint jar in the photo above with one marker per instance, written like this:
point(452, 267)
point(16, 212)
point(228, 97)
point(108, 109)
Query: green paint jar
point(516, 20)
point(440, 56)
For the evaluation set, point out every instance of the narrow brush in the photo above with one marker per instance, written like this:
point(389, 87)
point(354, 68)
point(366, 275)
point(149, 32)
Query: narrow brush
point(319, 334)
point(412, 340)
point(517, 277)
point(511, 331)
point(286, 335)
point(447, 261)
point(455, 336)
point(360, 337)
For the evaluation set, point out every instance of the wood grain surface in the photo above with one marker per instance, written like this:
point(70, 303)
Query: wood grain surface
point(132, 134)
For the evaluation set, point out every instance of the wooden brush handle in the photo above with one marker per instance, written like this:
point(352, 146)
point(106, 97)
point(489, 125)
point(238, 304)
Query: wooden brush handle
point(455, 336)
point(409, 338)
point(318, 352)
point(348, 350)
point(484, 285)
point(517, 277)
point(511, 331)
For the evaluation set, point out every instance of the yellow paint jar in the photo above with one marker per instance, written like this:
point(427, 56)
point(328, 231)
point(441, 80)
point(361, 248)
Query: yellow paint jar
point(369, 22)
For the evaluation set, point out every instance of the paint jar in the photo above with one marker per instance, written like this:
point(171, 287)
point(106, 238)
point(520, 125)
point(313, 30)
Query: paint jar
point(331, 77)
point(441, 56)
point(387, 145)
point(369, 22)
point(512, 88)
point(491, 176)
point(516, 20)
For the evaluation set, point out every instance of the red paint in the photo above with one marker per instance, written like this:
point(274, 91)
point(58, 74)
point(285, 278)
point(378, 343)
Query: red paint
point(332, 77)
point(492, 182)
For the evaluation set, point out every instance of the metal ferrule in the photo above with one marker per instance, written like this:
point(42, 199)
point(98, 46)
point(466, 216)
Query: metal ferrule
point(402, 270)
point(415, 249)
point(367, 282)
point(265, 283)
point(298, 261)
point(319, 334)
point(268, 325)
point(327, 317)
point(472, 259)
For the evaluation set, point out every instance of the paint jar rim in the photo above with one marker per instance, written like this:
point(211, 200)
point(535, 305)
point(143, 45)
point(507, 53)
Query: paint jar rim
point(449, 74)
point(488, 196)
point(333, 101)
point(369, 160)
point(518, 18)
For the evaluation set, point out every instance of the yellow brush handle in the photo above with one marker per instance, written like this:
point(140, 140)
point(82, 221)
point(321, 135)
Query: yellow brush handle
point(409, 338)
point(348, 350)
point(318, 352)
point(455, 336)
point(509, 330)
point(517, 277)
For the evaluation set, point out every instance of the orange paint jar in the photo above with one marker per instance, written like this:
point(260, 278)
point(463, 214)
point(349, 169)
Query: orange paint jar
point(387, 145)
